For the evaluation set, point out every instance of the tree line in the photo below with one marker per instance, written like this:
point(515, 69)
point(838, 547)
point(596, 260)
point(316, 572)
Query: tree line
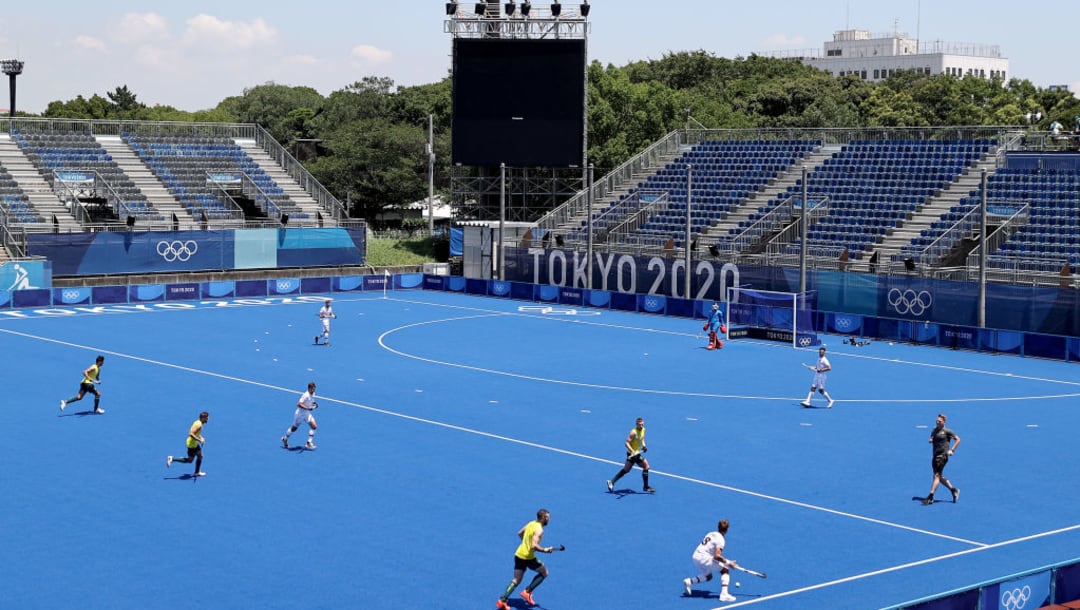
point(366, 141)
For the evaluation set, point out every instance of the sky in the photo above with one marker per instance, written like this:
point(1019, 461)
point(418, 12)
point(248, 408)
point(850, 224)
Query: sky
point(193, 54)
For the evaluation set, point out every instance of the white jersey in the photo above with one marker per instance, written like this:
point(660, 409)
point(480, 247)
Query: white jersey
point(712, 542)
point(303, 415)
point(325, 313)
point(823, 365)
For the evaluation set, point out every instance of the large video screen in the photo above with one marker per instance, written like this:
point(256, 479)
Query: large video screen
point(518, 102)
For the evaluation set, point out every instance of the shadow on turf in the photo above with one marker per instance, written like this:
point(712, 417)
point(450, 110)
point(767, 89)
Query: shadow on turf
point(710, 594)
point(629, 492)
point(183, 477)
point(920, 500)
point(78, 413)
point(297, 448)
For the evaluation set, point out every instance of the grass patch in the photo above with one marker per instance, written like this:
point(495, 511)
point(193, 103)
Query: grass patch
point(383, 252)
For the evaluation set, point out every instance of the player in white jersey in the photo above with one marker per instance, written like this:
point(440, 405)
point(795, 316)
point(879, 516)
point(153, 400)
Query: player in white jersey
point(303, 415)
point(709, 557)
point(823, 366)
point(325, 313)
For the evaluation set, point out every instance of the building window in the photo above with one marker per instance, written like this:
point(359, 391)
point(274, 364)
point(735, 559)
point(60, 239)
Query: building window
point(834, 52)
point(877, 74)
point(862, 75)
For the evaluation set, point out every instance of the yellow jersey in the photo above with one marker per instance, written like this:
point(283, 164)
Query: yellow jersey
point(636, 439)
point(91, 374)
point(196, 430)
point(525, 549)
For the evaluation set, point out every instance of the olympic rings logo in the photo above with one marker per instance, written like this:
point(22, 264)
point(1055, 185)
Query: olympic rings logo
point(177, 250)
point(284, 285)
point(71, 295)
point(805, 341)
point(843, 322)
point(1015, 599)
point(910, 302)
point(652, 303)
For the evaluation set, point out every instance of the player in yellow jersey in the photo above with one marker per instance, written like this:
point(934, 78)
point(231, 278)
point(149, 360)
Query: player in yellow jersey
point(525, 558)
point(635, 454)
point(91, 377)
point(194, 444)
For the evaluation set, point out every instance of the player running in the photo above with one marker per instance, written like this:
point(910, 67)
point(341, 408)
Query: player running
point(823, 366)
point(325, 313)
point(303, 415)
point(194, 443)
point(635, 454)
point(525, 559)
point(940, 438)
point(91, 377)
point(708, 557)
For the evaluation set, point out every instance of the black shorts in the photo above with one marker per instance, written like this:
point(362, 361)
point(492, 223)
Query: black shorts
point(194, 451)
point(88, 388)
point(533, 564)
point(638, 459)
point(938, 463)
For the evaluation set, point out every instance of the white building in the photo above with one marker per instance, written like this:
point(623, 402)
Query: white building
point(876, 57)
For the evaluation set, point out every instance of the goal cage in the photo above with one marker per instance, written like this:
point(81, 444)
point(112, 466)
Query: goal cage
point(771, 315)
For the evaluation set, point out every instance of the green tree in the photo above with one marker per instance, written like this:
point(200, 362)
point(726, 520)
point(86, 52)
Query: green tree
point(124, 100)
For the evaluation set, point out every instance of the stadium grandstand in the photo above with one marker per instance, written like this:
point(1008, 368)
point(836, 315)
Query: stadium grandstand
point(71, 176)
point(880, 201)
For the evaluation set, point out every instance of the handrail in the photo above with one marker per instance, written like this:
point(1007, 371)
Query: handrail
point(15, 247)
point(246, 183)
point(298, 172)
point(941, 246)
point(634, 221)
point(615, 179)
point(245, 131)
point(101, 186)
point(1018, 219)
point(793, 229)
point(846, 135)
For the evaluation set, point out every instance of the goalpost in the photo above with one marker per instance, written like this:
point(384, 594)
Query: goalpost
point(771, 315)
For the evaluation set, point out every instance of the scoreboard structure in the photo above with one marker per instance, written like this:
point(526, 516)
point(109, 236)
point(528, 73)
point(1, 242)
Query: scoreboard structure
point(520, 100)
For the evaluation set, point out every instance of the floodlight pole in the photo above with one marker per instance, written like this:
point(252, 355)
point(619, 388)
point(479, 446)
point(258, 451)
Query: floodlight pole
point(589, 229)
point(686, 243)
point(502, 219)
point(982, 250)
point(431, 174)
point(804, 221)
point(13, 68)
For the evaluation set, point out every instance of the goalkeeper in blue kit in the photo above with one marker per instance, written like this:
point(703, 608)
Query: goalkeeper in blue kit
point(714, 325)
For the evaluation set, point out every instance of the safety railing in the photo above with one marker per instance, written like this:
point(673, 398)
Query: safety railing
point(1020, 216)
point(649, 159)
point(246, 131)
point(296, 170)
point(645, 204)
point(940, 247)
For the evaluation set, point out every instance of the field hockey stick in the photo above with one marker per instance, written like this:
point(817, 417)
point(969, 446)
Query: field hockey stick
point(557, 549)
point(735, 566)
point(811, 367)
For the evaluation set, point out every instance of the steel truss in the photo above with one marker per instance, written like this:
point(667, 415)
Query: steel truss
point(530, 192)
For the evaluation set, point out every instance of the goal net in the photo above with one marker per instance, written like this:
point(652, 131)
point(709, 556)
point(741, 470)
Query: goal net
point(771, 315)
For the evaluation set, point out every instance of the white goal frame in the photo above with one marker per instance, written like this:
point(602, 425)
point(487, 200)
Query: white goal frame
point(732, 295)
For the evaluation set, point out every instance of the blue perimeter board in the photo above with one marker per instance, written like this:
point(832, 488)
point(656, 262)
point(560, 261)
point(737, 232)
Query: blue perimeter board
point(447, 420)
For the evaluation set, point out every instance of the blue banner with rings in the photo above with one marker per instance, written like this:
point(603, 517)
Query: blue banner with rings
point(114, 252)
point(72, 296)
point(1028, 592)
point(283, 286)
